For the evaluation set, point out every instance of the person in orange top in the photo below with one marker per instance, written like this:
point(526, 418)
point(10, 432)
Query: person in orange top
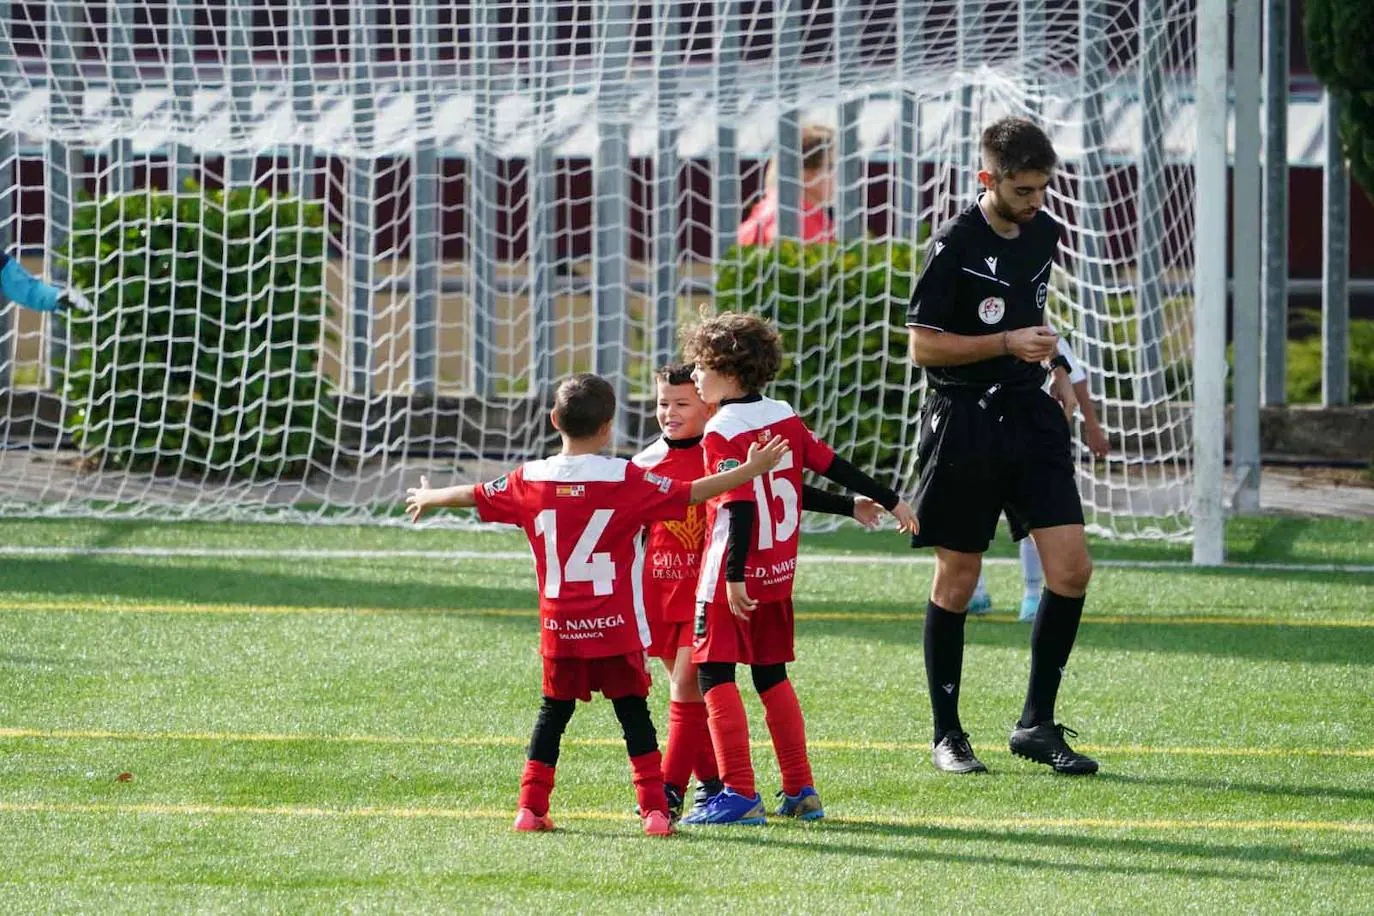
point(818, 187)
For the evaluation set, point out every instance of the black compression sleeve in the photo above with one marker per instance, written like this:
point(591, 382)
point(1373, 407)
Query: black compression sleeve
point(815, 499)
point(742, 516)
point(851, 478)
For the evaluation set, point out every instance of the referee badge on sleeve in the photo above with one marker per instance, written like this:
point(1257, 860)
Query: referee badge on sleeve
point(991, 310)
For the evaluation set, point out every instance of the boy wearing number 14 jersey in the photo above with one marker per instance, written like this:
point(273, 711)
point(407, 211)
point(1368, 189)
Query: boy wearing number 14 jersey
point(744, 596)
point(583, 514)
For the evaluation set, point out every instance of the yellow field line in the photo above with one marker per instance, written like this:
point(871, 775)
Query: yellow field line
point(1124, 750)
point(143, 607)
point(471, 814)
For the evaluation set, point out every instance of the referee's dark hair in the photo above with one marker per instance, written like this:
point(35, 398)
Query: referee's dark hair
point(1012, 145)
point(744, 347)
point(674, 374)
point(583, 404)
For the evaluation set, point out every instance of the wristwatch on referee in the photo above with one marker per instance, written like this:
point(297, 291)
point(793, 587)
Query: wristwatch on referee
point(1060, 361)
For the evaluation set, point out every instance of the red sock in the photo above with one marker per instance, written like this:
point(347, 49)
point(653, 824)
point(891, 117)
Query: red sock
point(686, 722)
point(536, 785)
point(706, 768)
point(730, 734)
point(648, 779)
point(783, 714)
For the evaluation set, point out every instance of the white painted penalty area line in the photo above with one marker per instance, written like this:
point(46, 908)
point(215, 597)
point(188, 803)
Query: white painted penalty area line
point(1123, 750)
point(808, 558)
point(480, 814)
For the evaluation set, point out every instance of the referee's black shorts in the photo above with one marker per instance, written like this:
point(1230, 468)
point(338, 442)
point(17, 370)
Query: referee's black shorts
point(1011, 451)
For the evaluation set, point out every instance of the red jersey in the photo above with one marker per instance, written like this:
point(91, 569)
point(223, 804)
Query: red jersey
point(772, 560)
point(583, 515)
point(675, 547)
point(762, 225)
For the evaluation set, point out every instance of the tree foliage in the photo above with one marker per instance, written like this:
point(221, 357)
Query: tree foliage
point(1340, 36)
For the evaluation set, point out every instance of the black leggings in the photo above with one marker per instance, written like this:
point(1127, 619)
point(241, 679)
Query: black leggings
point(548, 730)
point(713, 674)
point(554, 715)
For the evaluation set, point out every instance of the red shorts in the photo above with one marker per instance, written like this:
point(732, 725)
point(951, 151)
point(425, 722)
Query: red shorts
point(668, 637)
point(613, 677)
point(764, 639)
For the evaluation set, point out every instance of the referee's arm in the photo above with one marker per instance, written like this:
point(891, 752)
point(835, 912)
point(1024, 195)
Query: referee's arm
point(933, 347)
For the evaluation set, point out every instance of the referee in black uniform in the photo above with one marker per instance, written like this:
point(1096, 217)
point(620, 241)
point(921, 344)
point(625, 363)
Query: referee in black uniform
point(992, 439)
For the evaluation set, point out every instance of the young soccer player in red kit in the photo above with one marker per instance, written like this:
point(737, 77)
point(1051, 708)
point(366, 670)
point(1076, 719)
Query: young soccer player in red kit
point(744, 597)
point(674, 560)
point(583, 514)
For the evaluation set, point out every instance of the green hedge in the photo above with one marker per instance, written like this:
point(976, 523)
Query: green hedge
point(841, 311)
point(1304, 383)
point(223, 378)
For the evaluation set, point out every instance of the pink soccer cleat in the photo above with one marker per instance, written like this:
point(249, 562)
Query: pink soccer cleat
point(656, 823)
point(526, 821)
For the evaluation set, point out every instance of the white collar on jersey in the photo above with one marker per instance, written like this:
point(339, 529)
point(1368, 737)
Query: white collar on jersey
point(576, 469)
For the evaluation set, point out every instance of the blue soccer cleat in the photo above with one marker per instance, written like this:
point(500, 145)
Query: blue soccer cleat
point(804, 806)
point(705, 791)
point(980, 603)
point(1030, 605)
point(727, 809)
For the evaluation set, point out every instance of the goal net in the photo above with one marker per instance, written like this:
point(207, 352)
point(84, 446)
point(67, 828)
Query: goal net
point(334, 244)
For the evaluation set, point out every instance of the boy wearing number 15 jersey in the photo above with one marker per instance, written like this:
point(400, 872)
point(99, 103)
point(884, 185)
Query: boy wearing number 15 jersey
point(583, 514)
point(744, 597)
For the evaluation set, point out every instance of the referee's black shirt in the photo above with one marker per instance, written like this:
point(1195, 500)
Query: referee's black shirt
point(976, 282)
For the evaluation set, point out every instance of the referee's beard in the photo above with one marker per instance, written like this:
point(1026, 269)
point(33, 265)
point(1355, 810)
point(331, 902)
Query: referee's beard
point(1004, 210)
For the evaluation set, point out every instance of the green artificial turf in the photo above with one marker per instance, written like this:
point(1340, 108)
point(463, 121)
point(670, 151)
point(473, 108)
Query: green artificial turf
point(345, 733)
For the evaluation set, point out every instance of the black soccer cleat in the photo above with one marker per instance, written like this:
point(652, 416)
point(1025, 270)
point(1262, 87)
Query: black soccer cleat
point(674, 801)
point(953, 754)
point(1044, 743)
point(705, 791)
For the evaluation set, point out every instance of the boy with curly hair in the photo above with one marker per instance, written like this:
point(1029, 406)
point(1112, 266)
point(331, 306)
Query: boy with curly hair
point(744, 597)
point(671, 575)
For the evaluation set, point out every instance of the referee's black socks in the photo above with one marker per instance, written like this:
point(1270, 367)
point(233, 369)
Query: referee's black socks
point(1052, 637)
point(944, 646)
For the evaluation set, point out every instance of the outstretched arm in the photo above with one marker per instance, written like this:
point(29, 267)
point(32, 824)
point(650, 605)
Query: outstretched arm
point(421, 499)
point(851, 478)
point(814, 499)
point(18, 285)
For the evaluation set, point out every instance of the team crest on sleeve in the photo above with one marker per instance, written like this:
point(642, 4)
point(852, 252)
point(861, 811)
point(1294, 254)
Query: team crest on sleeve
point(663, 483)
point(991, 310)
point(492, 487)
point(1042, 295)
point(726, 464)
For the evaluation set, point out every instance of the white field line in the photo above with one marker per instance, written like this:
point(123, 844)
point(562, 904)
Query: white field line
point(818, 559)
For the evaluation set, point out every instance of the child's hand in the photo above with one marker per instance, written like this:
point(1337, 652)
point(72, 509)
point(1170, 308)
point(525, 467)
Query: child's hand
point(1061, 389)
point(867, 512)
point(763, 458)
point(906, 518)
point(741, 605)
point(418, 499)
point(1098, 443)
